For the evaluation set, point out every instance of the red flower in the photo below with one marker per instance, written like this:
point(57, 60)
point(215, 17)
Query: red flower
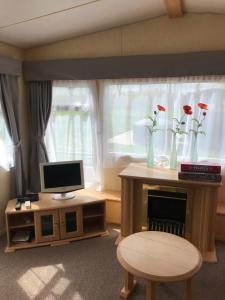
point(187, 109)
point(188, 112)
point(202, 105)
point(161, 108)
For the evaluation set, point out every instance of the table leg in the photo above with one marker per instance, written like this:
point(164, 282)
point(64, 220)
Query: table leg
point(150, 290)
point(129, 284)
point(188, 291)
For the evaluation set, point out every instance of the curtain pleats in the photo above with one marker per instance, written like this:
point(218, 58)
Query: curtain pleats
point(9, 101)
point(40, 101)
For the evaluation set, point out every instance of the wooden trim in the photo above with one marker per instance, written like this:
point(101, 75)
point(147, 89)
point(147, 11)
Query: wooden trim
point(150, 289)
point(7, 230)
point(54, 243)
point(174, 8)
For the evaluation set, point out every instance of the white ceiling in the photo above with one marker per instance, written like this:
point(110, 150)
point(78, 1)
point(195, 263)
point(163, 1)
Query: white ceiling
point(30, 23)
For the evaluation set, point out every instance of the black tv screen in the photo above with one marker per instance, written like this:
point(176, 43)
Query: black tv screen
point(62, 175)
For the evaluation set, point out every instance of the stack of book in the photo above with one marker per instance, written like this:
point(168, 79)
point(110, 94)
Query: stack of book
point(200, 172)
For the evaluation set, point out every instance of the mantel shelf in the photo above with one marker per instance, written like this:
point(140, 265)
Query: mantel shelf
point(161, 175)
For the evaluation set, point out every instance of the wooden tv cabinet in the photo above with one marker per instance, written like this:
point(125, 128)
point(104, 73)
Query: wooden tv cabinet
point(55, 222)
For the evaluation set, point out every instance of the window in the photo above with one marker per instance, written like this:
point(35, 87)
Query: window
point(71, 129)
point(6, 147)
point(127, 103)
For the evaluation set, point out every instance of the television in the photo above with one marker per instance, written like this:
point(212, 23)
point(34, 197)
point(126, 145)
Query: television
point(61, 178)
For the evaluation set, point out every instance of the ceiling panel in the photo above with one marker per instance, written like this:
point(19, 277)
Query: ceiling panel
point(204, 6)
point(93, 17)
point(13, 11)
point(30, 23)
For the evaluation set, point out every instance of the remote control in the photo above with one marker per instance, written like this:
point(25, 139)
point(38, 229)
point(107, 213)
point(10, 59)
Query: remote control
point(27, 204)
point(18, 205)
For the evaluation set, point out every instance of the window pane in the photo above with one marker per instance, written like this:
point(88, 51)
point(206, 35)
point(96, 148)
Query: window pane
point(127, 104)
point(69, 133)
point(6, 148)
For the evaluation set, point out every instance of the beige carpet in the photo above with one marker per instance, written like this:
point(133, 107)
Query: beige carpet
point(88, 270)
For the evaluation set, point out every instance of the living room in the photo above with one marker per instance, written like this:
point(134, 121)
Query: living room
point(150, 33)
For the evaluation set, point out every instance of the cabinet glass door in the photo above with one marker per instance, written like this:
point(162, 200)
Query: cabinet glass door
point(71, 222)
point(47, 226)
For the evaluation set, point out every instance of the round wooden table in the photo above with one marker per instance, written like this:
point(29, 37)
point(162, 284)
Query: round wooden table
point(157, 257)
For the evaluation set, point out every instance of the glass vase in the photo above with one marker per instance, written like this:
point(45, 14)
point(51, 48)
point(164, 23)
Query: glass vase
point(194, 147)
point(173, 153)
point(150, 151)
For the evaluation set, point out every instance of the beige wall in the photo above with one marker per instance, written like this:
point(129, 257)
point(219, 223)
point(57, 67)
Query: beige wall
point(190, 33)
point(11, 52)
point(193, 32)
point(15, 53)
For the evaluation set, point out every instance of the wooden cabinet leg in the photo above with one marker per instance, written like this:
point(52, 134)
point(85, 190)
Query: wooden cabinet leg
point(129, 284)
point(150, 290)
point(188, 291)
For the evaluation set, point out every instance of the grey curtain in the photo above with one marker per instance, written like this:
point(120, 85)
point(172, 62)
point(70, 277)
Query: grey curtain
point(40, 102)
point(10, 103)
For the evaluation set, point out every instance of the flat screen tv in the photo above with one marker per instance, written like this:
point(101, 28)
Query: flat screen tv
point(61, 178)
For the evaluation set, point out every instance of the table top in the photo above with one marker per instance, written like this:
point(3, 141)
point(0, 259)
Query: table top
point(84, 196)
point(159, 256)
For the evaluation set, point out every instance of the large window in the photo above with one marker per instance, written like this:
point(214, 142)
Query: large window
point(127, 103)
point(6, 148)
point(120, 113)
point(71, 129)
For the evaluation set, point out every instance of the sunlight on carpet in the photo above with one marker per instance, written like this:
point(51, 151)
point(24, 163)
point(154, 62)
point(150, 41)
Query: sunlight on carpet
point(36, 279)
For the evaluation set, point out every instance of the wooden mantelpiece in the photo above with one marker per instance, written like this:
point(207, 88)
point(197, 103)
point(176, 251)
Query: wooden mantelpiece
point(202, 197)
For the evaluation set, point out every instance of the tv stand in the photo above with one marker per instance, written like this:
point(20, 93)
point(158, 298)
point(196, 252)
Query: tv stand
point(63, 196)
point(50, 222)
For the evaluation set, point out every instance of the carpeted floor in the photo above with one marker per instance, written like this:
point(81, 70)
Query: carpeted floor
point(88, 270)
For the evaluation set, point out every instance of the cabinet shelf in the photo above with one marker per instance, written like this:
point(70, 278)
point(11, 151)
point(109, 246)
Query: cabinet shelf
point(21, 220)
point(22, 244)
point(93, 210)
point(93, 216)
point(91, 225)
point(21, 226)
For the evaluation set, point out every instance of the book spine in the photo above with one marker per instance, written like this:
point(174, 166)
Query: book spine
point(200, 168)
point(200, 176)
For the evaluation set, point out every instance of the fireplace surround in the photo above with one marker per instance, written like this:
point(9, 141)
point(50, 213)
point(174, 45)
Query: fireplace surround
point(200, 206)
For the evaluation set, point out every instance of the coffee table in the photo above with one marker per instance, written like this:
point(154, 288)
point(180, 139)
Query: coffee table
point(157, 257)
